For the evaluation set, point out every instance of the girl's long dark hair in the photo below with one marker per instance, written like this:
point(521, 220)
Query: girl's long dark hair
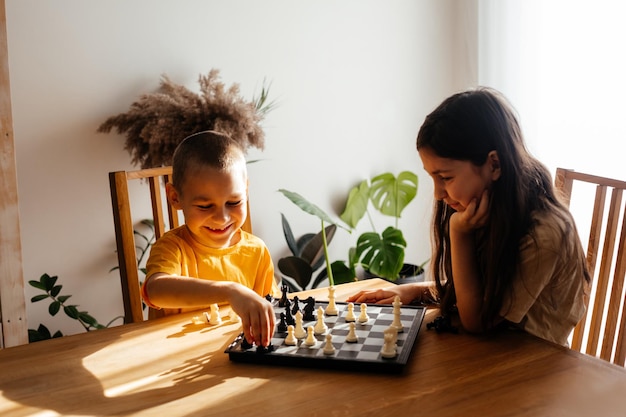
point(467, 126)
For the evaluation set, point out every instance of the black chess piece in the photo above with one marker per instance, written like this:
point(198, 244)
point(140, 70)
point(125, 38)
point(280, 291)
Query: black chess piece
point(245, 345)
point(309, 309)
point(288, 317)
point(282, 325)
point(442, 324)
point(296, 305)
point(283, 299)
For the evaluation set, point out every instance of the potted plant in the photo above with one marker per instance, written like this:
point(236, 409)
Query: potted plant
point(381, 254)
point(156, 123)
point(318, 245)
point(307, 257)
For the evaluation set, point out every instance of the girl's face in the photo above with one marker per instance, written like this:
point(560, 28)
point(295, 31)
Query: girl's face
point(214, 204)
point(458, 182)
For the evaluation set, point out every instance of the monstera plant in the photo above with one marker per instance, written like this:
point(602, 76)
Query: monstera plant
point(381, 254)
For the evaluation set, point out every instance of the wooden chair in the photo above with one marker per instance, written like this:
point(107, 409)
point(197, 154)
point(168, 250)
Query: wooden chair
point(602, 332)
point(155, 179)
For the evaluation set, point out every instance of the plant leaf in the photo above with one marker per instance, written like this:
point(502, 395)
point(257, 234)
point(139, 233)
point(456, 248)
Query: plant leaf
point(48, 281)
point(56, 290)
point(37, 284)
point(390, 195)
point(356, 205)
point(54, 308)
point(297, 269)
point(307, 206)
point(71, 312)
point(39, 298)
point(291, 241)
point(382, 255)
point(313, 251)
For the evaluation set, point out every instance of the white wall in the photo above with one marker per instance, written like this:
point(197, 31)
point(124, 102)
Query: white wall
point(353, 79)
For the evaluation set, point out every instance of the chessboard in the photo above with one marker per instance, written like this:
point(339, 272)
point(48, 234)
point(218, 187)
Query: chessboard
point(363, 355)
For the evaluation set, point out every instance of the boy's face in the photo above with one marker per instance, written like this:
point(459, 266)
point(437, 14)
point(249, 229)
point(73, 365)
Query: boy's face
point(214, 204)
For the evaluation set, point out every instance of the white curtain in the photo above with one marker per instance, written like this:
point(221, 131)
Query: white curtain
point(563, 66)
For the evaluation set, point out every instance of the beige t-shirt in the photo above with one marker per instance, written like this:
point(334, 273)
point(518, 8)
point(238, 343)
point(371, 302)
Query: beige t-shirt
point(548, 293)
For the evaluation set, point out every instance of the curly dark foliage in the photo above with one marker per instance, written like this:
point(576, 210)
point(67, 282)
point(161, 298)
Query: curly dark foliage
point(156, 123)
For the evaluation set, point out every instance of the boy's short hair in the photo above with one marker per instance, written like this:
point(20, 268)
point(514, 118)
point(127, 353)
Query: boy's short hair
point(204, 149)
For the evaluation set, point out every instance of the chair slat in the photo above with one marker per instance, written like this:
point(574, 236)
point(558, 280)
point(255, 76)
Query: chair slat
point(604, 325)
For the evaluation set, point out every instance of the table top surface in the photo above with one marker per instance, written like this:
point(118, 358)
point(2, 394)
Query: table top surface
point(173, 367)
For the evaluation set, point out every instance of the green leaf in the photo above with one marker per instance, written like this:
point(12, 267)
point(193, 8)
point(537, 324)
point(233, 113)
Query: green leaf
point(39, 298)
point(307, 206)
point(86, 318)
point(313, 251)
point(356, 206)
point(342, 273)
point(390, 195)
point(56, 290)
point(382, 255)
point(54, 308)
point(37, 284)
point(48, 281)
point(296, 268)
point(63, 298)
point(289, 238)
point(71, 311)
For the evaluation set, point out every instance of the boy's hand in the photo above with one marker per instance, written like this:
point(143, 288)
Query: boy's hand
point(256, 313)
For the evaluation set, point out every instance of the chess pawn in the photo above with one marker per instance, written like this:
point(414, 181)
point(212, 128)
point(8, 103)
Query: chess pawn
point(320, 326)
point(363, 317)
point(352, 337)
point(299, 331)
point(329, 349)
point(290, 340)
point(331, 309)
point(389, 349)
point(350, 313)
point(310, 337)
point(215, 315)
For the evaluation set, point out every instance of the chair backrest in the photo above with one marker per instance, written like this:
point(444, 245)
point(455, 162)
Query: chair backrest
point(155, 179)
point(602, 332)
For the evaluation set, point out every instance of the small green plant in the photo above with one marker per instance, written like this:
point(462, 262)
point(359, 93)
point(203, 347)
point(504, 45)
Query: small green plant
point(52, 291)
point(381, 254)
point(307, 257)
point(308, 207)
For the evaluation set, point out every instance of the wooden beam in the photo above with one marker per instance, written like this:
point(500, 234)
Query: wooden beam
point(13, 326)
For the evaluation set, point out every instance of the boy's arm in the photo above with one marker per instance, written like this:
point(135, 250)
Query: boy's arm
point(256, 313)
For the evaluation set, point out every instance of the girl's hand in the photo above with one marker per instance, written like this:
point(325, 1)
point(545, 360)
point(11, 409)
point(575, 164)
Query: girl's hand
point(407, 294)
point(473, 217)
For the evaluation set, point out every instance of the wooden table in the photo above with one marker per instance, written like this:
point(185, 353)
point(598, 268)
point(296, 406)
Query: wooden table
point(171, 367)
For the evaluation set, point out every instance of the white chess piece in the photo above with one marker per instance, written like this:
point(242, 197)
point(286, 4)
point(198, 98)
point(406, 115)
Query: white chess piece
point(299, 332)
point(352, 337)
point(290, 340)
point(397, 322)
point(215, 315)
point(329, 349)
point(350, 313)
point(320, 326)
point(389, 349)
point(363, 317)
point(331, 309)
point(310, 337)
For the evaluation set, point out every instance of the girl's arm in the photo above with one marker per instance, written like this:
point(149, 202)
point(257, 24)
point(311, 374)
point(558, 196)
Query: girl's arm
point(469, 297)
